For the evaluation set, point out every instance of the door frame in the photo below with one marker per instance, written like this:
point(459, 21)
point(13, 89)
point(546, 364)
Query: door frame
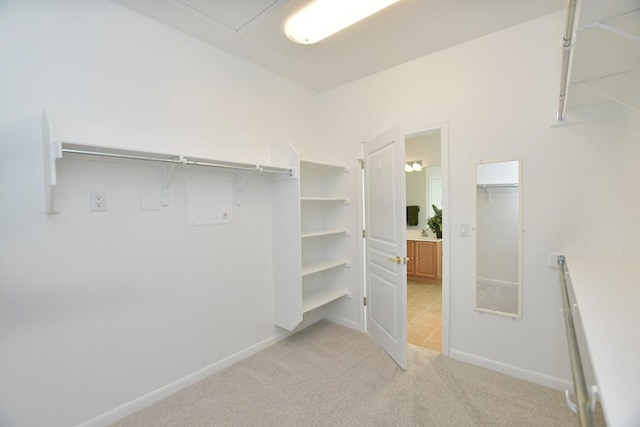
point(443, 127)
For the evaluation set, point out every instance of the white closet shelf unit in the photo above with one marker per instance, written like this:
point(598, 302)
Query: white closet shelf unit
point(320, 233)
point(320, 297)
point(601, 59)
point(56, 149)
point(311, 164)
point(318, 266)
point(501, 185)
point(309, 253)
point(324, 199)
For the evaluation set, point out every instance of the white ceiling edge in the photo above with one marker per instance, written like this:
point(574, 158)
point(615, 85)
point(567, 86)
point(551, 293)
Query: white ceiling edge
point(405, 31)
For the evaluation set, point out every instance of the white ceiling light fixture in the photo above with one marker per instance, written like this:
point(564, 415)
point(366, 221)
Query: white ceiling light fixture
point(322, 18)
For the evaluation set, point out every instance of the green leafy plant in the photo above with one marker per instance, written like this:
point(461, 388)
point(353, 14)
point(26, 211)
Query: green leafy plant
point(435, 222)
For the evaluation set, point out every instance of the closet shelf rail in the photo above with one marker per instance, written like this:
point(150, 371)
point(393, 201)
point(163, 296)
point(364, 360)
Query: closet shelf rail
point(599, 80)
point(88, 150)
point(585, 404)
point(501, 185)
point(567, 49)
point(55, 149)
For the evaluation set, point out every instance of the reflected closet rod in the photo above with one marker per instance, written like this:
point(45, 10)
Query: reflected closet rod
point(513, 184)
point(567, 47)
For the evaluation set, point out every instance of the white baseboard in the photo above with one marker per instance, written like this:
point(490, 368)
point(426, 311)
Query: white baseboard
point(308, 320)
point(344, 322)
point(148, 399)
point(171, 388)
point(513, 371)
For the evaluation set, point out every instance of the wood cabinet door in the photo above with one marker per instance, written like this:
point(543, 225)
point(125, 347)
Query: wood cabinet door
point(411, 254)
point(425, 259)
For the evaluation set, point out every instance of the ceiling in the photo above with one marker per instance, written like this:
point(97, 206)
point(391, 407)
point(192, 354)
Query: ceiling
point(409, 29)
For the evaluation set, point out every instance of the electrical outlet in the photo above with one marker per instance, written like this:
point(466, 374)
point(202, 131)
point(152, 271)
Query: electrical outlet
point(98, 201)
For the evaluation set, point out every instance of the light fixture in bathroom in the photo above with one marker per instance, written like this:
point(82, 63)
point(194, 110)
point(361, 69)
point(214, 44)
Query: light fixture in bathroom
point(414, 166)
point(322, 18)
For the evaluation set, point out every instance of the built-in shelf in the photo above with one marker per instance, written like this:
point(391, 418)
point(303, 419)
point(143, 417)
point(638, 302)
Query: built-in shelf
point(310, 219)
point(505, 185)
point(603, 295)
point(324, 199)
point(322, 265)
point(321, 233)
point(601, 60)
point(55, 149)
point(320, 297)
point(322, 166)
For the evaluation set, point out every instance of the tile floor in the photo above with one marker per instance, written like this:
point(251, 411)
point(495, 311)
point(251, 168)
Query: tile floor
point(424, 314)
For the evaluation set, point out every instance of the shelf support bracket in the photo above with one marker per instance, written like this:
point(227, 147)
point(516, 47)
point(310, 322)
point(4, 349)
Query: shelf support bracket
point(242, 183)
point(167, 177)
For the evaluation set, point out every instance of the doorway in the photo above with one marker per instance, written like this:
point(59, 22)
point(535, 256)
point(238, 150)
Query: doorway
point(384, 243)
point(424, 188)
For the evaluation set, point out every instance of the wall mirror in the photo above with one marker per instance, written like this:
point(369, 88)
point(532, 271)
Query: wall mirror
point(498, 237)
point(423, 179)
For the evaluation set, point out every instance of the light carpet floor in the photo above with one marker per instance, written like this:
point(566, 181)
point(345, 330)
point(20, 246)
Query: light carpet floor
point(328, 375)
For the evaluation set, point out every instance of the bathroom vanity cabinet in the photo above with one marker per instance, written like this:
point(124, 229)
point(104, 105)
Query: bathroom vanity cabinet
point(424, 259)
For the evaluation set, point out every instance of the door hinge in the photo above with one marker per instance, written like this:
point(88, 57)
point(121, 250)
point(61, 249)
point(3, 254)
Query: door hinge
point(361, 163)
point(365, 301)
point(364, 234)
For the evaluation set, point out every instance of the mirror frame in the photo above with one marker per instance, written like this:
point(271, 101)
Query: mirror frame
point(517, 315)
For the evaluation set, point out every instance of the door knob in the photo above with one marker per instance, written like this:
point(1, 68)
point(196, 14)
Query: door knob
point(397, 260)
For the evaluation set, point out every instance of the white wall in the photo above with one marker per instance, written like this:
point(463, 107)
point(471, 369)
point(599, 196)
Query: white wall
point(498, 96)
point(99, 309)
point(425, 147)
point(94, 307)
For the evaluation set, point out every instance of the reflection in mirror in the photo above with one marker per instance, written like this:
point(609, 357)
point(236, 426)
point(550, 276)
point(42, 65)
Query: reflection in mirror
point(498, 237)
point(424, 186)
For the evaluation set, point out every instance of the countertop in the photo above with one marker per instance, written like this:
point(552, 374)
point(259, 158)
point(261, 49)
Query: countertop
point(417, 236)
point(607, 291)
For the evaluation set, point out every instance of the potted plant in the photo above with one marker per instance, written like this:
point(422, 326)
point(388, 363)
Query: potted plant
point(435, 222)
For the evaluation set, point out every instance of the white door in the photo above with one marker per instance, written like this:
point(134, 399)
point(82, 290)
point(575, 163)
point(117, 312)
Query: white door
point(385, 242)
